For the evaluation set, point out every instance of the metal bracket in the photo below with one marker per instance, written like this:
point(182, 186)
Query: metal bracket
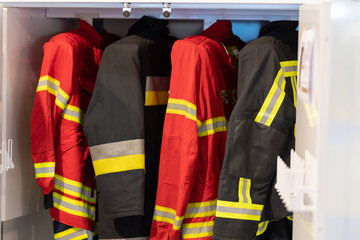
point(6, 155)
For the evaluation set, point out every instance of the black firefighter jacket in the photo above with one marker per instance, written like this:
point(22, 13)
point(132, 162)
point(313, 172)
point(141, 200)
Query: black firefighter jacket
point(261, 127)
point(124, 127)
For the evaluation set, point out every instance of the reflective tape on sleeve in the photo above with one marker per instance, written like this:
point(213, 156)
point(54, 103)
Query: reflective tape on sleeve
point(242, 211)
point(183, 108)
point(212, 126)
point(273, 101)
point(47, 83)
point(74, 114)
point(45, 169)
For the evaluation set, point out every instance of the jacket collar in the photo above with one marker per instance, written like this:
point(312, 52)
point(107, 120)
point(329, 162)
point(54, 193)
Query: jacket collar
point(221, 31)
point(150, 28)
point(270, 29)
point(90, 34)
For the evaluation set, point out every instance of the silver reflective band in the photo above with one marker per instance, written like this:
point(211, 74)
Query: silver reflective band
point(117, 149)
point(203, 209)
point(55, 88)
point(157, 83)
point(181, 107)
point(168, 215)
point(289, 69)
point(74, 207)
point(244, 187)
point(44, 170)
point(79, 190)
point(197, 230)
point(253, 212)
point(75, 114)
point(274, 99)
point(211, 126)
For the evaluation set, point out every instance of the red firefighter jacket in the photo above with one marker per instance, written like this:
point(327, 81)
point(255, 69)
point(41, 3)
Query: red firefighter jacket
point(59, 149)
point(194, 135)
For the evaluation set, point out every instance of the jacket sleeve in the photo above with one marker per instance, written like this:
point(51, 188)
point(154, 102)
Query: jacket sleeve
point(52, 94)
point(260, 128)
point(179, 159)
point(114, 128)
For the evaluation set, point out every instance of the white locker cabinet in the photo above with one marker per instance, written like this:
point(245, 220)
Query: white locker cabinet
point(333, 138)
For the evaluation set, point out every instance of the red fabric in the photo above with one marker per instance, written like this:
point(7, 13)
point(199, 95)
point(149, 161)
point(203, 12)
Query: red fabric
point(71, 60)
point(221, 31)
point(190, 164)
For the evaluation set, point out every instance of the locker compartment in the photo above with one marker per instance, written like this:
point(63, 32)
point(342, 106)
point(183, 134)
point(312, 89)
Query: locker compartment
point(28, 25)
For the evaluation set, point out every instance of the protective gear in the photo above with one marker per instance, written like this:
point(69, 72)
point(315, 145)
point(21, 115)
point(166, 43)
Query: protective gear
point(124, 127)
point(261, 128)
point(194, 137)
point(59, 148)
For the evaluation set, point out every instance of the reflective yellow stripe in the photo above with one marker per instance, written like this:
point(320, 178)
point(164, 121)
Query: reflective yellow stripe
point(244, 190)
point(262, 228)
point(277, 105)
point(288, 63)
point(276, 95)
point(73, 234)
point(155, 98)
point(119, 164)
point(74, 207)
point(168, 215)
point(241, 183)
point(212, 126)
point(44, 175)
point(290, 218)
point(293, 84)
point(73, 114)
point(197, 230)
point(201, 209)
point(184, 108)
point(240, 205)
point(242, 211)
point(198, 224)
point(269, 97)
point(44, 169)
point(65, 233)
point(75, 189)
point(47, 83)
point(201, 214)
point(248, 191)
point(72, 182)
point(44, 164)
point(197, 235)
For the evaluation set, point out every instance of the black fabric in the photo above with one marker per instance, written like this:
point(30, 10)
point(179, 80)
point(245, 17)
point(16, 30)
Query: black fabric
point(117, 113)
point(277, 230)
point(48, 200)
point(252, 147)
point(60, 227)
point(151, 28)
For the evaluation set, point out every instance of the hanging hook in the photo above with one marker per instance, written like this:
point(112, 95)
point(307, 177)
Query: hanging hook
point(126, 9)
point(166, 10)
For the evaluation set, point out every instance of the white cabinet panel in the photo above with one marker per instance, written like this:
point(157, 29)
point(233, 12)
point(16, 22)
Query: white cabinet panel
point(26, 30)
